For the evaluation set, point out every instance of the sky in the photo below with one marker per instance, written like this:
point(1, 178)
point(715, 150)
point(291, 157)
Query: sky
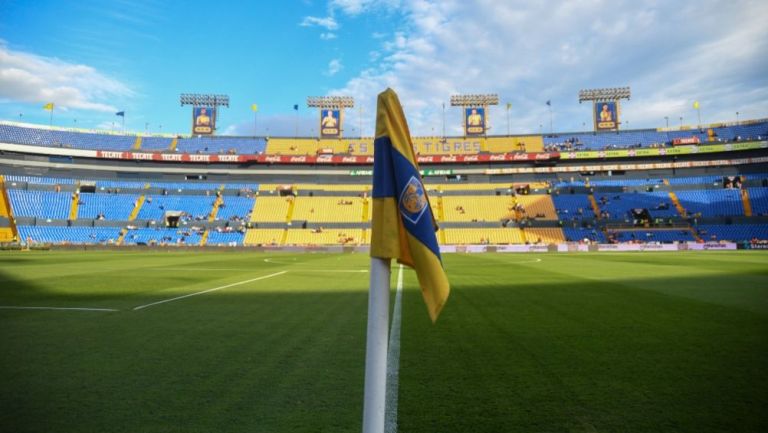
point(95, 58)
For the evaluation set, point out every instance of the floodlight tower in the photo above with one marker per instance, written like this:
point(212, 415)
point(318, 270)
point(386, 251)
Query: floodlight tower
point(334, 103)
point(608, 99)
point(205, 100)
point(476, 125)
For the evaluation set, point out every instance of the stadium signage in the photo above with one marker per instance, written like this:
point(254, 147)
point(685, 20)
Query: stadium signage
point(686, 140)
point(430, 159)
point(143, 156)
point(228, 158)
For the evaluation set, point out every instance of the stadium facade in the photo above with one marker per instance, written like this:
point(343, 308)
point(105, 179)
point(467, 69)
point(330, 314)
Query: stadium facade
point(659, 188)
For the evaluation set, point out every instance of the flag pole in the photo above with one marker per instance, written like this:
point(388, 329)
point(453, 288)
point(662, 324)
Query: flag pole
point(374, 403)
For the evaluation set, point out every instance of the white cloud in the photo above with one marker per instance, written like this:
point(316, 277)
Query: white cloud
point(531, 52)
point(329, 23)
point(350, 7)
point(29, 78)
point(356, 7)
point(327, 36)
point(334, 66)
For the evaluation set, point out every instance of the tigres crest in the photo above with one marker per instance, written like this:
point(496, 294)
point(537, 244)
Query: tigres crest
point(413, 200)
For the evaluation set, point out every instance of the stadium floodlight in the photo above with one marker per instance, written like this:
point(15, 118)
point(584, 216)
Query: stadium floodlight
point(337, 102)
point(473, 100)
point(204, 100)
point(606, 94)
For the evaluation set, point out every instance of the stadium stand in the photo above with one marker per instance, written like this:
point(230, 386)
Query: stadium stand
point(550, 209)
point(272, 209)
point(664, 236)
point(69, 235)
point(228, 145)
point(712, 202)
point(544, 235)
point(572, 206)
point(272, 237)
point(40, 204)
point(195, 207)
point(579, 234)
point(106, 206)
point(60, 138)
point(155, 143)
point(476, 236)
point(235, 208)
point(759, 201)
point(328, 209)
point(734, 233)
point(162, 236)
point(216, 238)
point(324, 236)
point(38, 180)
point(620, 205)
point(478, 208)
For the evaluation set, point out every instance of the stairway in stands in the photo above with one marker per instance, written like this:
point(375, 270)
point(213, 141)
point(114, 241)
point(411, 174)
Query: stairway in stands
point(75, 204)
point(680, 209)
point(132, 217)
point(745, 201)
point(7, 234)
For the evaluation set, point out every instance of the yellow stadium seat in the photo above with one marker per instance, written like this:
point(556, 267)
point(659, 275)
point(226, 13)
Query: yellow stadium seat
point(547, 235)
point(263, 237)
point(328, 209)
point(538, 206)
point(477, 208)
point(476, 236)
point(271, 208)
point(324, 237)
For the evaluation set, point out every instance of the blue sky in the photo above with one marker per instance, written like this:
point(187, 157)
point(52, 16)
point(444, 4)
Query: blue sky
point(93, 58)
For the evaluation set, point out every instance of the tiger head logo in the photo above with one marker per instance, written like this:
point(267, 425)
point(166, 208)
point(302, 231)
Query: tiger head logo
point(413, 200)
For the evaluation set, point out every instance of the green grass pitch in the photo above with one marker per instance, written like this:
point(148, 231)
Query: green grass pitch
point(610, 342)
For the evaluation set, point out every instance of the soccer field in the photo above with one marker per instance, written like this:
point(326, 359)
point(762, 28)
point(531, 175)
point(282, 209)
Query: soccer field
point(252, 342)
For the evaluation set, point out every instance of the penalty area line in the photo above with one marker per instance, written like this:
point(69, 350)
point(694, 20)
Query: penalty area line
point(14, 307)
point(264, 277)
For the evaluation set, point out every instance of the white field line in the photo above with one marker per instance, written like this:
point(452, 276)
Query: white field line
point(13, 307)
point(240, 269)
point(191, 268)
point(393, 360)
point(294, 262)
point(264, 277)
point(280, 262)
point(523, 262)
point(333, 271)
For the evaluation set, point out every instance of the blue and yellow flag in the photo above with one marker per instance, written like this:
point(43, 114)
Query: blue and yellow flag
point(403, 224)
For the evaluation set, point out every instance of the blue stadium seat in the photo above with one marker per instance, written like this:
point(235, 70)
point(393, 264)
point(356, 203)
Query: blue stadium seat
point(69, 235)
point(40, 204)
point(712, 202)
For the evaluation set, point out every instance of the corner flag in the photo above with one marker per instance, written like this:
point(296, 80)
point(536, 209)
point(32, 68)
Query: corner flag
point(403, 224)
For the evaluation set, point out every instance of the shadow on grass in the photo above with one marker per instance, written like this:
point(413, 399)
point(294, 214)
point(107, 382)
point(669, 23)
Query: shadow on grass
point(627, 354)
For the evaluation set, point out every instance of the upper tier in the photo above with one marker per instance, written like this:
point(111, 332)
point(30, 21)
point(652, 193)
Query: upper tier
point(93, 140)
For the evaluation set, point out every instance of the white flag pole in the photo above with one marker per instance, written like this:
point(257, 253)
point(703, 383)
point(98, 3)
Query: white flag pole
point(374, 403)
